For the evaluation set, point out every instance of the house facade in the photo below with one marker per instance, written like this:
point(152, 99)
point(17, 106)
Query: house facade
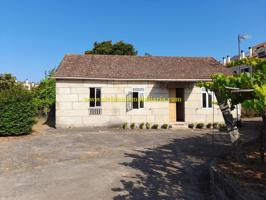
point(101, 90)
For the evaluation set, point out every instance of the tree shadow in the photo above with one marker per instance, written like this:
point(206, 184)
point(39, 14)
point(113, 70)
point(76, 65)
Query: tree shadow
point(177, 170)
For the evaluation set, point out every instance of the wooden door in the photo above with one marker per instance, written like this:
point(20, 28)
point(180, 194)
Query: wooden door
point(172, 105)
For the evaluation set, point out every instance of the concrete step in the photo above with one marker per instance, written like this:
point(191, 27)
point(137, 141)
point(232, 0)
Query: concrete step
point(179, 125)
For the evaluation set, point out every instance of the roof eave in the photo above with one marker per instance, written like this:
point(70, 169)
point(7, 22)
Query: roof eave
point(130, 79)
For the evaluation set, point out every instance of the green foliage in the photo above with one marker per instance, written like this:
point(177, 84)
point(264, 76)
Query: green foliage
point(191, 125)
point(209, 125)
point(215, 125)
point(200, 125)
point(245, 61)
point(132, 125)
point(164, 126)
point(108, 48)
point(17, 112)
point(141, 126)
point(155, 126)
point(44, 94)
point(125, 125)
point(148, 126)
point(7, 81)
point(255, 81)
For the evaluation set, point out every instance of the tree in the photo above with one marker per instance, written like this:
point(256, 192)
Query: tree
point(108, 48)
point(7, 81)
point(247, 89)
point(44, 94)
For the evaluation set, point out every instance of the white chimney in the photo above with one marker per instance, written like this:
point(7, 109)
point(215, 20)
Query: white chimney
point(228, 60)
point(224, 61)
point(242, 54)
point(250, 51)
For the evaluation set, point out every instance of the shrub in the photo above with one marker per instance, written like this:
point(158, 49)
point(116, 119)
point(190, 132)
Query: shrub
point(17, 112)
point(132, 125)
point(200, 125)
point(191, 126)
point(215, 125)
point(209, 125)
point(44, 95)
point(222, 127)
point(125, 125)
point(148, 126)
point(155, 126)
point(164, 126)
point(141, 126)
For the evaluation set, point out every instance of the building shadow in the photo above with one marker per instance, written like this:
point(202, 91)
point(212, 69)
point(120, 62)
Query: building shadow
point(177, 170)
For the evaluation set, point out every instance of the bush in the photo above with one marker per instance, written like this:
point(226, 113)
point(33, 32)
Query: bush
point(125, 125)
point(17, 112)
point(222, 127)
point(215, 125)
point(164, 126)
point(191, 126)
point(148, 126)
point(44, 95)
point(141, 126)
point(200, 125)
point(133, 125)
point(209, 125)
point(155, 126)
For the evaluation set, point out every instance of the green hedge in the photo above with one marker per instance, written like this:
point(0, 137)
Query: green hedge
point(17, 112)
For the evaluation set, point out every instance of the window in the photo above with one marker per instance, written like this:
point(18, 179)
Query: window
point(95, 97)
point(245, 70)
point(261, 54)
point(206, 98)
point(135, 99)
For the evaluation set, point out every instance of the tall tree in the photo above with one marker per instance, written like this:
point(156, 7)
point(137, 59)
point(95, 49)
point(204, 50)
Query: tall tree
point(108, 48)
point(7, 81)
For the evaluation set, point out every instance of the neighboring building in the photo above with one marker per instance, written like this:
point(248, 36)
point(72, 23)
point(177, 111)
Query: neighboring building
point(121, 78)
point(258, 51)
point(28, 85)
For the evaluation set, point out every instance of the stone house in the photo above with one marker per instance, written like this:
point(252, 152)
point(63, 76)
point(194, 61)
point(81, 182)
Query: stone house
point(103, 90)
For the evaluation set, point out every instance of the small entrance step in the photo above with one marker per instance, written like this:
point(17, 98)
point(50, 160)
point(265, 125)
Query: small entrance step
point(179, 125)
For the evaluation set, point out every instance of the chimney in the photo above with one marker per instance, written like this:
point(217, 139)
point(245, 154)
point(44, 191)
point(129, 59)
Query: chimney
point(224, 61)
point(228, 60)
point(242, 54)
point(250, 52)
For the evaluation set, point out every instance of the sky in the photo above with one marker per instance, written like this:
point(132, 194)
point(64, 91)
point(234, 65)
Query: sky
point(36, 34)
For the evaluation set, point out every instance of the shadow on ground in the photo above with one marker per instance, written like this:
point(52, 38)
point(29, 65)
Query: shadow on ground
point(178, 170)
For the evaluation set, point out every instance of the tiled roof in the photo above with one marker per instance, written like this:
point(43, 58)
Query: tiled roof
point(138, 67)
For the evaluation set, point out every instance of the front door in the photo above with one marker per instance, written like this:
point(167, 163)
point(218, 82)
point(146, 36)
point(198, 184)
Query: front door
point(172, 105)
point(180, 105)
point(176, 105)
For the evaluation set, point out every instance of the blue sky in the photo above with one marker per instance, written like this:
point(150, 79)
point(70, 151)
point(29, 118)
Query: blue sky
point(35, 34)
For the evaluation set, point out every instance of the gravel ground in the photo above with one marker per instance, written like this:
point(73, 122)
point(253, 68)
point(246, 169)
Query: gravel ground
point(108, 164)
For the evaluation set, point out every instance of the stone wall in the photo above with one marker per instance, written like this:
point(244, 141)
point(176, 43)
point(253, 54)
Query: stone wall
point(72, 109)
point(228, 188)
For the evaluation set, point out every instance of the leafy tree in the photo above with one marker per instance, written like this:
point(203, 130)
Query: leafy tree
point(7, 81)
point(108, 48)
point(44, 94)
point(247, 89)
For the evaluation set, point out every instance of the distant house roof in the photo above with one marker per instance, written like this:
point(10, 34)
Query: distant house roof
point(112, 67)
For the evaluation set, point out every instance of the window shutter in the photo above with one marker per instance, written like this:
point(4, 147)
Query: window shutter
point(129, 102)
